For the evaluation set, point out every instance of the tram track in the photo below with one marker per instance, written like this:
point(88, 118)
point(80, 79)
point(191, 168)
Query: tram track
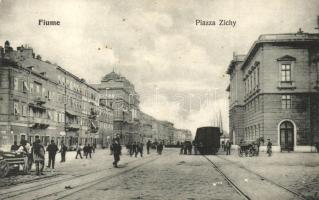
point(300, 196)
point(237, 189)
point(38, 187)
point(62, 192)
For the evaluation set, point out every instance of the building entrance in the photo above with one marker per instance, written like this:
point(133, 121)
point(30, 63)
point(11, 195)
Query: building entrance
point(287, 136)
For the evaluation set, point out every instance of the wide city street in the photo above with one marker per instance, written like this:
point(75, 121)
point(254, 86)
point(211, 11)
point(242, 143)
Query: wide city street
point(172, 176)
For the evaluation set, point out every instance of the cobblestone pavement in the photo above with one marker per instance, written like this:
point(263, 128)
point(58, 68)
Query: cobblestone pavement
point(298, 172)
point(16, 177)
point(172, 176)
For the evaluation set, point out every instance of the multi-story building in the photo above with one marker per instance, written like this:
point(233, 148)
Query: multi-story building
point(38, 98)
point(274, 91)
point(122, 97)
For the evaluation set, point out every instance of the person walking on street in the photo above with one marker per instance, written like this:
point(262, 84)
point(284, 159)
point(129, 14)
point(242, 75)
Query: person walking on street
point(78, 151)
point(160, 148)
point(116, 149)
point(52, 149)
point(89, 150)
point(140, 148)
point(148, 146)
point(269, 147)
point(228, 146)
point(38, 153)
point(85, 151)
point(63, 151)
point(135, 149)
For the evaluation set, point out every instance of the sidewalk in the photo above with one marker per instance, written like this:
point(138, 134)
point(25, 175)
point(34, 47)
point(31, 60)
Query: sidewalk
point(296, 171)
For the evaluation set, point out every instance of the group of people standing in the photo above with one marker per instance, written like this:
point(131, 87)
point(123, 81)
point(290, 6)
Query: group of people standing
point(36, 153)
point(133, 148)
point(87, 150)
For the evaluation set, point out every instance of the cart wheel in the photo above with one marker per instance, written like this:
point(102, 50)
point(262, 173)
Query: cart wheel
point(4, 168)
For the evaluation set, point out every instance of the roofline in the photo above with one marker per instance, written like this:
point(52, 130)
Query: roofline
point(262, 39)
point(75, 77)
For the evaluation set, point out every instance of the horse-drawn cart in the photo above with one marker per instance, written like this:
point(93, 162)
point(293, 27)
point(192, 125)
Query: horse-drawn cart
point(250, 148)
point(12, 161)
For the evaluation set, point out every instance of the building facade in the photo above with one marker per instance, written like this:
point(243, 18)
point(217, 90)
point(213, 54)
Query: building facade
point(122, 97)
point(274, 92)
point(43, 99)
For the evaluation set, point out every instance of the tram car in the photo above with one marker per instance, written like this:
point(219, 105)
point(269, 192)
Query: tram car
point(207, 140)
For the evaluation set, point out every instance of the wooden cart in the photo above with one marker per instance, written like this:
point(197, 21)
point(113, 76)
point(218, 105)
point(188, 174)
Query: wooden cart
point(10, 161)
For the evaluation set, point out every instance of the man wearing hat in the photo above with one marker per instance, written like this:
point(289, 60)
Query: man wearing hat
point(52, 149)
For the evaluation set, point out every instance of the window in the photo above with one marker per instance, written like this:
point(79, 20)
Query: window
point(25, 87)
point(285, 101)
point(24, 110)
point(31, 88)
point(31, 112)
point(16, 108)
point(16, 84)
point(285, 72)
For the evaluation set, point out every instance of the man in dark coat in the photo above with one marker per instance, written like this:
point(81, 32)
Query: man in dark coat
point(89, 150)
point(160, 148)
point(14, 147)
point(135, 149)
point(228, 147)
point(38, 153)
point(52, 149)
point(116, 149)
point(63, 151)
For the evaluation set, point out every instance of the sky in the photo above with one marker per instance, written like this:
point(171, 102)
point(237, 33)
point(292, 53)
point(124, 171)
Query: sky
point(178, 68)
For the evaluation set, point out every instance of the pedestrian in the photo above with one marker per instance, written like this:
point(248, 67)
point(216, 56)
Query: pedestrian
point(130, 148)
point(89, 150)
point(63, 150)
point(182, 148)
point(135, 149)
point(185, 148)
point(140, 148)
point(93, 147)
point(14, 147)
point(160, 148)
point(148, 146)
point(52, 149)
point(78, 151)
point(269, 147)
point(228, 146)
point(38, 153)
point(22, 149)
point(190, 147)
point(116, 149)
point(85, 150)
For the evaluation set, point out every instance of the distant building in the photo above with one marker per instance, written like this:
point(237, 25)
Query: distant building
point(274, 91)
point(122, 97)
point(38, 98)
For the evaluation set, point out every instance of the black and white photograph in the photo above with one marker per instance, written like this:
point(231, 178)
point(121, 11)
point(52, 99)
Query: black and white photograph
point(159, 99)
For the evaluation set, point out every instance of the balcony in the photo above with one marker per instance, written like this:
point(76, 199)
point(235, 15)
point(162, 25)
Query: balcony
point(39, 100)
point(72, 127)
point(286, 85)
point(39, 123)
point(37, 106)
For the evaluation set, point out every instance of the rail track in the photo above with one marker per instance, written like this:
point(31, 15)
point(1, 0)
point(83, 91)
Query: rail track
point(62, 193)
point(242, 193)
point(266, 179)
point(238, 190)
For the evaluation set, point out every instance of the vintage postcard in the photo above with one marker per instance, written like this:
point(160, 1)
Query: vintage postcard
point(159, 99)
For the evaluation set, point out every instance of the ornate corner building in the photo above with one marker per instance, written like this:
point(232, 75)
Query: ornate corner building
point(274, 92)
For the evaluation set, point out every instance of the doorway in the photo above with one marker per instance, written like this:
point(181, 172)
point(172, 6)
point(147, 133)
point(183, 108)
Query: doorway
point(287, 136)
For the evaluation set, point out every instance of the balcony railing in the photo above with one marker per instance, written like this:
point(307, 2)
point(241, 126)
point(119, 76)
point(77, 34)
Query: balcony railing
point(39, 100)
